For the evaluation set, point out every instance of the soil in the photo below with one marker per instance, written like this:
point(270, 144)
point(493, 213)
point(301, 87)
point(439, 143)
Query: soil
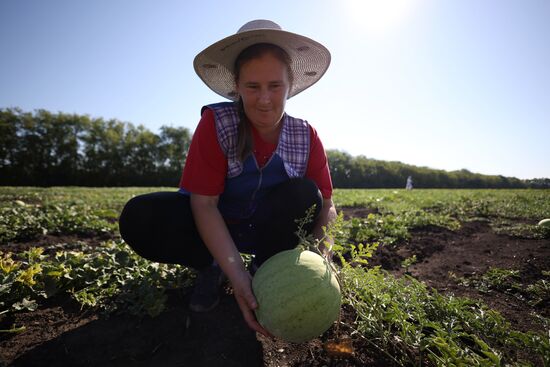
point(60, 333)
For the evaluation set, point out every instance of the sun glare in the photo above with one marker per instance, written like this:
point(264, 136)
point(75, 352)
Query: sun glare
point(378, 16)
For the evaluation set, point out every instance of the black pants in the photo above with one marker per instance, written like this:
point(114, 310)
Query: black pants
point(160, 226)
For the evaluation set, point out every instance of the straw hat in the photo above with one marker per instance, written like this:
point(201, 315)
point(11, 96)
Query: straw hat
point(214, 65)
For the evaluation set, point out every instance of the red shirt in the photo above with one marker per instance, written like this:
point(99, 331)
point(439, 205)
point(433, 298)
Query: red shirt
point(205, 168)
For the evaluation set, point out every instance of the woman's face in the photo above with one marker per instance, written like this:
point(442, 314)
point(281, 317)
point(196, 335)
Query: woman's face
point(263, 85)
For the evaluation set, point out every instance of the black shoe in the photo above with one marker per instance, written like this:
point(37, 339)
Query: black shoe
point(253, 267)
point(206, 294)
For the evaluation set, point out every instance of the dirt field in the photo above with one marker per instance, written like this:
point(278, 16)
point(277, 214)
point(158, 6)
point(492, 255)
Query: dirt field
point(60, 334)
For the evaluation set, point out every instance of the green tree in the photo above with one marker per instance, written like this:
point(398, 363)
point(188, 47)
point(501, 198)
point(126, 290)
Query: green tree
point(10, 122)
point(173, 147)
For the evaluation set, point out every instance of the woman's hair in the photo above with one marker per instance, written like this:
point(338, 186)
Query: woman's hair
point(244, 140)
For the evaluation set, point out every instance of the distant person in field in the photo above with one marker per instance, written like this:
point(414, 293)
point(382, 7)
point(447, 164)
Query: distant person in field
point(409, 185)
point(251, 170)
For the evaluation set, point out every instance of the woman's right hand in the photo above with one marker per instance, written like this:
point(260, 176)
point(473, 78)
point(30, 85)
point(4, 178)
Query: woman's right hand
point(242, 289)
point(215, 235)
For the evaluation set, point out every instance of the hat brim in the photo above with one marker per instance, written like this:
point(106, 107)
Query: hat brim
point(214, 65)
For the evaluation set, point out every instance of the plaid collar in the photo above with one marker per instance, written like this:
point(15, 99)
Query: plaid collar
point(293, 146)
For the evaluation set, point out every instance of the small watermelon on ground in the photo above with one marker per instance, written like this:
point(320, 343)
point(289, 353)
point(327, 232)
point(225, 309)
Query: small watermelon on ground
point(298, 295)
point(545, 223)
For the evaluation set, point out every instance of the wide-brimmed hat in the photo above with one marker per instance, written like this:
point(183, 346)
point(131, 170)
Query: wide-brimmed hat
point(214, 65)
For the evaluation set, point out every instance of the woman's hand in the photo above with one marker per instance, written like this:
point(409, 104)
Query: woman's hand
point(242, 288)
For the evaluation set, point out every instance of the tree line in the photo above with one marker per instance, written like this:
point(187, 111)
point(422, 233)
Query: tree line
point(360, 172)
point(41, 148)
point(58, 149)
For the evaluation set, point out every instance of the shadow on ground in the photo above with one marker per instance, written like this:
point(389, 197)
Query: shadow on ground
point(175, 338)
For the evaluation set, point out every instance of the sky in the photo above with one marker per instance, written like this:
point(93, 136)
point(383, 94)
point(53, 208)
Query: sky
point(445, 84)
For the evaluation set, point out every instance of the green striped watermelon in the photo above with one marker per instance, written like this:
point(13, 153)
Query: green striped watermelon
point(298, 295)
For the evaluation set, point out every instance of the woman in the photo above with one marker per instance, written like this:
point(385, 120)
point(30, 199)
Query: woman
point(251, 172)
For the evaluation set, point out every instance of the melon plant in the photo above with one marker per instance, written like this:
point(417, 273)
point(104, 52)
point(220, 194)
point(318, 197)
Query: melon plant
point(545, 223)
point(298, 295)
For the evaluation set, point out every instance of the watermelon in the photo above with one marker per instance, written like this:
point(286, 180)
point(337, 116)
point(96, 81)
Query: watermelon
point(298, 295)
point(545, 223)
